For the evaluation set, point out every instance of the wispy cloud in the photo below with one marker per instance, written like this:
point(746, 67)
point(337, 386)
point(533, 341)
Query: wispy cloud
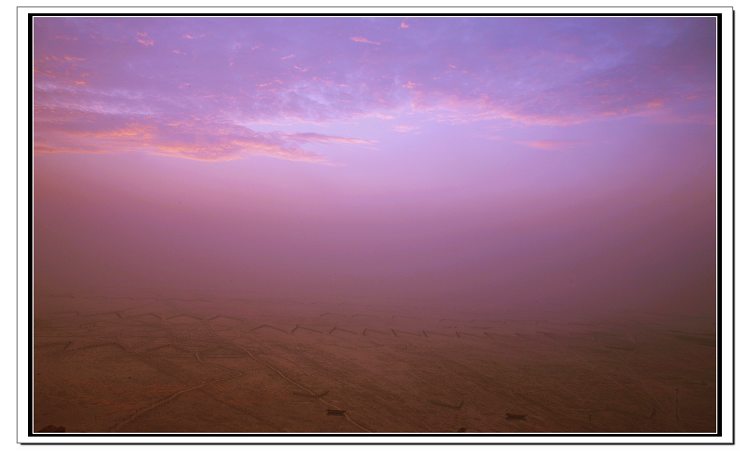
point(143, 39)
point(548, 145)
point(405, 128)
point(572, 72)
point(361, 39)
point(69, 131)
point(310, 137)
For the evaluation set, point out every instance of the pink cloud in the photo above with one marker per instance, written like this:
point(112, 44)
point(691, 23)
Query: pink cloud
point(405, 128)
point(461, 109)
point(193, 36)
point(64, 58)
point(655, 103)
point(144, 40)
point(310, 137)
point(78, 131)
point(232, 149)
point(360, 39)
point(548, 145)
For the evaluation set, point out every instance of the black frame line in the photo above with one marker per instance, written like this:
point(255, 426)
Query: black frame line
point(718, 433)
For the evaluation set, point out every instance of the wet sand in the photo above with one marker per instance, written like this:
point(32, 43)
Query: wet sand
point(135, 364)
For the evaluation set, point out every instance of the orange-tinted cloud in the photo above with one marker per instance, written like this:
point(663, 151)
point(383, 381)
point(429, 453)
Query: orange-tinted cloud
point(548, 145)
point(361, 39)
point(309, 137)
point(71, 131)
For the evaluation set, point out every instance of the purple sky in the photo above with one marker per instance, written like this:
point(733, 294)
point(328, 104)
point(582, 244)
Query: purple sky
point(492, 161)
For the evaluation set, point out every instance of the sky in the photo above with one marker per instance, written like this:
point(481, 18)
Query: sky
point(493, 162)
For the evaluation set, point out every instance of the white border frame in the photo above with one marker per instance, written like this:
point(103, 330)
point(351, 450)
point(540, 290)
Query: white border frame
point(727, 223)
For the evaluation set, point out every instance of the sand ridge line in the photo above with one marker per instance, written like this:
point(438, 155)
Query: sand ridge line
point(191, 316)
point(136, 316)
point(271, 367)
point(217, 316)
point(608, 377)
point(300, 327)
point(305, 388)
point(200, 386)
point(163, 401)
point(177, 347)
point(307, 395)
point(474, 335)
point(341, 330)
point(396, 332)
point(287, 378)
point(119, 313)
point(431, 332)
point(261, 326)
point(214, 385)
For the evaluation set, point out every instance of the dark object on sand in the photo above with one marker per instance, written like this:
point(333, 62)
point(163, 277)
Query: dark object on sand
point(52, 429)
point(336, 412)
point(462, 429)
point(515, 417)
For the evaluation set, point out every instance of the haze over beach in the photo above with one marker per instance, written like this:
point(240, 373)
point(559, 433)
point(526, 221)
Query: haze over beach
point(495, 224)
